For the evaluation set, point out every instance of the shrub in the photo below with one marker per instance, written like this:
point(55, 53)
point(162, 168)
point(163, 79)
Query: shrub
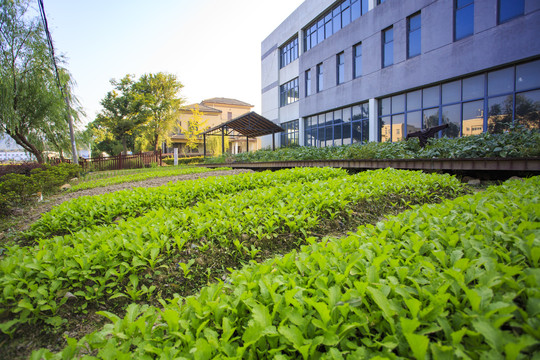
point(184, 161)
point(24, 169)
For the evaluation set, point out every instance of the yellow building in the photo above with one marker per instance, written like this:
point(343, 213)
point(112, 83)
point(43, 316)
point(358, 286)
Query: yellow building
point(215, 111)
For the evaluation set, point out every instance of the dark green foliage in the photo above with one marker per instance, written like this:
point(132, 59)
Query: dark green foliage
point(18, 190)
point(519, 142)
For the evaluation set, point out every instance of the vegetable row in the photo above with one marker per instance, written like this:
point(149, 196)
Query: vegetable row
point(102, 263)
point(105, 209)
point(459, 279)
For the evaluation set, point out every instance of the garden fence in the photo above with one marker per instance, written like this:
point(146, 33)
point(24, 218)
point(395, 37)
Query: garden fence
point(118, 162)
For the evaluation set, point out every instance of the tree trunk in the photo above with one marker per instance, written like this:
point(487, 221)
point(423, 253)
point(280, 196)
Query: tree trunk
point(124, 144)
point(21, 140)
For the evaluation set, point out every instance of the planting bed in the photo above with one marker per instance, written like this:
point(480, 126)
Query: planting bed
point(135, 256)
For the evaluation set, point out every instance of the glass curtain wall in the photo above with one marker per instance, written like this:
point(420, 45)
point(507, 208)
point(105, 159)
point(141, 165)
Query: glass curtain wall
point(290, 136)
point(338, 127)
point(492, 102)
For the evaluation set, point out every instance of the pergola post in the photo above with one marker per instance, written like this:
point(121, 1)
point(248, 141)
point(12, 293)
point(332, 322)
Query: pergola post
point(204, 145)
point(247, 143)
point(273, 140)
point(223, 140)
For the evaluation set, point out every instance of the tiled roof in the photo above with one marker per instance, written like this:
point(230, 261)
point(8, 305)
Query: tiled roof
point(225, 101)
point(202, 108)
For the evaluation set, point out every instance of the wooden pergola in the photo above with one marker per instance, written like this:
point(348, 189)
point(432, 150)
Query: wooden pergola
point(250, 125)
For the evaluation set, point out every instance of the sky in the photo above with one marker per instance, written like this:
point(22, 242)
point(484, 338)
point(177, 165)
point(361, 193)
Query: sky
point(212, 46)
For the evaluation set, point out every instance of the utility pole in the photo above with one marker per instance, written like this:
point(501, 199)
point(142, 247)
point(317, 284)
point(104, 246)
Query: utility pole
point(71, 131)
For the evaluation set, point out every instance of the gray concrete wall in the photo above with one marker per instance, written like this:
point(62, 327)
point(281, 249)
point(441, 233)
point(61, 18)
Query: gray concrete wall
point(441, 58)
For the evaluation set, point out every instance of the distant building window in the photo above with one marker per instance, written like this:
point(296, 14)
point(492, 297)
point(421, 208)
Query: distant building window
point(379, 2)
point(357, 65)
point(229, 115)
point(340, 68)
point(463, 19)
point(509, 9)
point(320, 74)
point(388, 47)
point(288, 92)
point(414, 38)
point(333, 20)
point(290, 135)
point(288, 52)
point(308, 82)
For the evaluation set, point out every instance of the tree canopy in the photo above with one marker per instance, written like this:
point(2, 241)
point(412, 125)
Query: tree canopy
point(32, 108)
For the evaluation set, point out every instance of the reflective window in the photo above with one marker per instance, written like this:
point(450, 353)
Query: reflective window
point(414, 100)
point(388, 47)
point(398, 104)
point(414, 121)
point(288, 92)
point(308, 82)
point(288, 52)
point(500, 114)
point(414, 35)
point(357, 65)
point(290, 135)
point(431, 96)
point(384, 106)
point(473, 118)
point(463, 19)
point(451, 115)
point(329, 23)
point(451, 92)
point(473, 87)
point(319, 77)
point(340, 68)
point(509, 9)
point(528, 76)
point(501, 81)
point(528, 109)
point(430, 118)
point(398, 127)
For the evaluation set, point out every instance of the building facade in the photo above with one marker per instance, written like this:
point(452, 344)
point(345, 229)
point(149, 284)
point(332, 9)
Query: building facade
point(353, 71)
point(214, 111)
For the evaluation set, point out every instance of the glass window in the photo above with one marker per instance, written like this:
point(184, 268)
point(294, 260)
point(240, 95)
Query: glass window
point(500, 114)
point(431, 96)
point(430, 118)
point(414, 35)
point(451, 115)
point(398, 104)
point(357, 65)
point(329, 137)
point(414, 100)
point(473, 87)
point(388, 47)
point(290, 135)
point(345, 13)
point(528, 76)
point(509, 9)
point(463, 19)
point(347, 134)
point(398, 127)
point(340, 68)
point(528, 109)
point(289, 92)
point(414, 121)
point(355, 10)
point(501, 81)
point(347, 115)
point(337, 135)
point(365, 131)
point(308, 82)
point(384, 106)
point(356, 112)
point(338, 119)
point(357, 132)
point(319, 77)
point(473, 118)
point(365, 110)
point(288, 52)
point(385, 128)
point(451, 92)
point(365, 6)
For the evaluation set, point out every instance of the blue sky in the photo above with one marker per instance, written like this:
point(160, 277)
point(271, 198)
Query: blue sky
point(212, 46)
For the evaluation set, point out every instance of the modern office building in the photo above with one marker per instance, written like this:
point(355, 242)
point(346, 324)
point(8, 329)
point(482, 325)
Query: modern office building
point(353, 71)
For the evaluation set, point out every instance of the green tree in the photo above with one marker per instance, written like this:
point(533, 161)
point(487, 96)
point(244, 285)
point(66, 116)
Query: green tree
point(121, 115)
point(32, 109)
point(160, 101)
point(195, 127)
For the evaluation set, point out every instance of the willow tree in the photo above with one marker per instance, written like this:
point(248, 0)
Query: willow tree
point(32, 108)
point(160, 105)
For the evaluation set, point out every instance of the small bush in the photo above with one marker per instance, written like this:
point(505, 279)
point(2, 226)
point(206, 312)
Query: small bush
point(23, 169)
point(18, 189)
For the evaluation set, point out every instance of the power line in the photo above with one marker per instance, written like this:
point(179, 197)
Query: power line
point(64, 94)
